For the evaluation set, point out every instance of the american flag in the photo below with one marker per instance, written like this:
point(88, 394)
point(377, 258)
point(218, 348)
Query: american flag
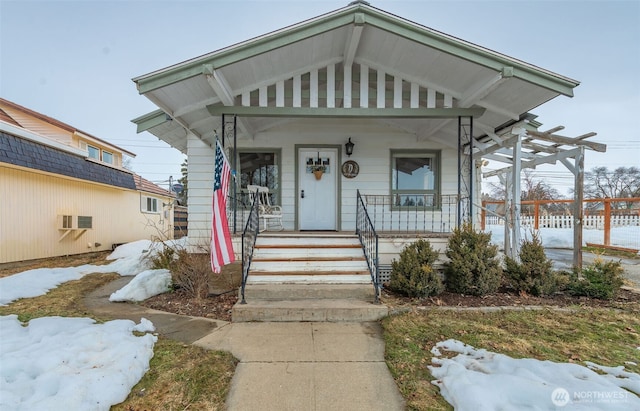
point(221, 247)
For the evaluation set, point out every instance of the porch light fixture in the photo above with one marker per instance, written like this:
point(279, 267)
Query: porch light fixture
point(349, 147)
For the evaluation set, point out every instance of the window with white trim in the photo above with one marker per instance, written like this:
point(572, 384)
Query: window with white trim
point(94, 152)
point(415, 178)
point(107, 157)
point(149, 204)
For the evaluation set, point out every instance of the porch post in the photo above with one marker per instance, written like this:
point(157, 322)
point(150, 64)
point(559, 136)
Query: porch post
point(471, 216)
point(516, 196)
point(229, 129)
point(459, 174)
point(578, 210)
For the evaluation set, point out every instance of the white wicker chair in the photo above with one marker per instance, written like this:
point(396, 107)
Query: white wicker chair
point(270, 215)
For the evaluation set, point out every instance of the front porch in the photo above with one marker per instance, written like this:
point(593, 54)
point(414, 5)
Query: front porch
point(330, 275)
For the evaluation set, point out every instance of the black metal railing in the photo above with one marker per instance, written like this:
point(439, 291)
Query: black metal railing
point(369, 241)
point(412, 213)
point(249, 236)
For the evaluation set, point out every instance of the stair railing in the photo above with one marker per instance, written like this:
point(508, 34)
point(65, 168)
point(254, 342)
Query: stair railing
point(369, 240)
point(249, 236)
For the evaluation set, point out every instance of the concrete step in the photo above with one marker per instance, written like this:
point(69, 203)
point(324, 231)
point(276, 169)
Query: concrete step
point(301, 240)
point(307, 252)
point(274, 292)
point(351, 277)
point(330, 310)
point(307, 266)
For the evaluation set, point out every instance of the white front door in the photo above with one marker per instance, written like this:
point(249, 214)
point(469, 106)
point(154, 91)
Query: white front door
point(317, 188)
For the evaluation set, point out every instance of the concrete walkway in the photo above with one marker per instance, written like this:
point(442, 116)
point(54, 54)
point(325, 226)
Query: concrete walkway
point(283, 366)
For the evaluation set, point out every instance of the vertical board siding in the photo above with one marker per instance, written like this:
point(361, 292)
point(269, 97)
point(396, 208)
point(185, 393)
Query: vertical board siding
point(29, 216)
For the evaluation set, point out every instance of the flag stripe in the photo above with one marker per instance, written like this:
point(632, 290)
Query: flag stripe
point(221, 246)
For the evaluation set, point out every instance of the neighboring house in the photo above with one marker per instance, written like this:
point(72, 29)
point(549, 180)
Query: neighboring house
point(66, 192)
point(422, 108)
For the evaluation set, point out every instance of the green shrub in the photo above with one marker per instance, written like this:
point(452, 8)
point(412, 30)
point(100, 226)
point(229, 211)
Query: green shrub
point(413, 275)
point(165, 258)
point(533, 274)
point(601, 280)
point(473, 267)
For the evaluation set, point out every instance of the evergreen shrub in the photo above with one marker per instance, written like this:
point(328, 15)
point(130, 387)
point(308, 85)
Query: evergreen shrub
point(533, 274)
point(601, 279)
point(473, 267)
point(413, 275)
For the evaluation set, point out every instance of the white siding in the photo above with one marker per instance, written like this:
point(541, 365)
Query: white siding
point(200, 193)
point(373, 144)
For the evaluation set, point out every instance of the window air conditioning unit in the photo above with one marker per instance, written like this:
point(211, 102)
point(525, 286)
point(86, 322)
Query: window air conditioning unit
point(72, 222)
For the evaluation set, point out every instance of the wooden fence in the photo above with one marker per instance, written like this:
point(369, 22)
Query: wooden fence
point(180, 217)
point(599, 214)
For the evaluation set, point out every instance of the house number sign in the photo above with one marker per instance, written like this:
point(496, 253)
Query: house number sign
point(350, 169)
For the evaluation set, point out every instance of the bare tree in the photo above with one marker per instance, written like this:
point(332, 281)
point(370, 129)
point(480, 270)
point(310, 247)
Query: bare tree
point(532, 188)
point(623, 182)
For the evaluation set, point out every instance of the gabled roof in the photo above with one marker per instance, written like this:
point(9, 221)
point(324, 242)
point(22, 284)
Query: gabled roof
point(419, 68)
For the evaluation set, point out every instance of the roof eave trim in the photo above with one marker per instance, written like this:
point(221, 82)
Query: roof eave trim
point(472, 52)
point(241, 51)
point(150, 120)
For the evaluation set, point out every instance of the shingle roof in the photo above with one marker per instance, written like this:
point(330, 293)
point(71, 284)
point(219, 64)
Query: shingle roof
point(143, 184)
point(18, 151)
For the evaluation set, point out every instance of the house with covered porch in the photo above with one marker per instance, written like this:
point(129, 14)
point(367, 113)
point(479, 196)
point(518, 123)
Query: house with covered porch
point(396, 116)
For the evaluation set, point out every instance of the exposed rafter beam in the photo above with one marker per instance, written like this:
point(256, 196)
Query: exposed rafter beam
point(492, 107)
point(551, 159)
point(354, 39)
point(418, 80)
point(221, 87)
point(266, 82)
point(483, 89)
point(577, 141)
point(178, 120)
point(190, 108)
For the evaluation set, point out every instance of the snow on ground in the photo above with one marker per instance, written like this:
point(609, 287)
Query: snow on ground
point(128, 259)
point(144, 285)
point(55, 363)
point(74, 363)
point(481, 380)
point(563, 237)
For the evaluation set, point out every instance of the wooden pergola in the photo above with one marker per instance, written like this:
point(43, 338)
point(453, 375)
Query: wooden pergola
point(522, 146)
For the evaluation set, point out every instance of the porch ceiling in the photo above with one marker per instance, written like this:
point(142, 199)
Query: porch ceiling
point(394, 63)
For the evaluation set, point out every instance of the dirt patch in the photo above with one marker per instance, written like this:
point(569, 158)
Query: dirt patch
point(216, 307)
point(96, 258)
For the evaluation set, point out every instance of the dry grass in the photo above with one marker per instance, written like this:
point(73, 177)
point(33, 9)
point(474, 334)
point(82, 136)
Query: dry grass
point(606, 337)
point(180, 376)
point(96, 258)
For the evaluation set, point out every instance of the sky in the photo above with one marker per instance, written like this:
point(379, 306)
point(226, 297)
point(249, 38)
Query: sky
point(74, 60)
point(75, 363)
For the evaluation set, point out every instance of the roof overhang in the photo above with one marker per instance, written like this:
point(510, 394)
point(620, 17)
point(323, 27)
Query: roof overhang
point(254, 79)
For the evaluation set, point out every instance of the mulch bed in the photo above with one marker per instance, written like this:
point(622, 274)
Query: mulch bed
point(626, 299)
point(216, 307)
